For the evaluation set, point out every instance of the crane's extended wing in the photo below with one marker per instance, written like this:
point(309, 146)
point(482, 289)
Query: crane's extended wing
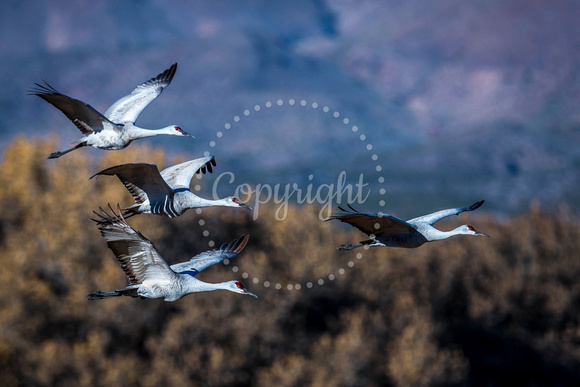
point(376, 224)
point(436, 216)
point(137, 255)
point(83, 115)
point(142, 180)
point(128, 108)
point(211, 257)
point(180, 175)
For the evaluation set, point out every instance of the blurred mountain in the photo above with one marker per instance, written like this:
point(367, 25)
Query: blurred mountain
point(460, 101)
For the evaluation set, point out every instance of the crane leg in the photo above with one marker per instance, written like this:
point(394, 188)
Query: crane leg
point(347, 247)
point(56, 155)
point(98, 295)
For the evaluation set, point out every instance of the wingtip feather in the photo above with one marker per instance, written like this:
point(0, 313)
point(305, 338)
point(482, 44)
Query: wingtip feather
point(243, 242)
point(105, 218)
point(345, 212)
point(476, 205)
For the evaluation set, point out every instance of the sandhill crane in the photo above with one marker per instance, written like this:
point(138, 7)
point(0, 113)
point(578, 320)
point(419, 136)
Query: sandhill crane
point(148, 273)
point(116, 128)
point(387, 230)
point(166, 193)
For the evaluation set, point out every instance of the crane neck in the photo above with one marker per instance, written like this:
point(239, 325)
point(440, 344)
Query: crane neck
point(433, 234)
point(193, 285)
point(194, 201)
point(136, 132)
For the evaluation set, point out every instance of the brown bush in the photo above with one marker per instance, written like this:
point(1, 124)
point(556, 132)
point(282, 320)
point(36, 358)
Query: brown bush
point(466, 310)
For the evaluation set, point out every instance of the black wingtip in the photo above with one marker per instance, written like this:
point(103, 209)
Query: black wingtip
point(105, 217)
point(351, 207)
point(96, 175)
point(102, 218)
point(236, 245)
point(333, 217)
point(42, 90)
point(475, 206)
point(207, 167)
point(167, 75)
point(345, 212)
point(338, 216)
point(242, 242)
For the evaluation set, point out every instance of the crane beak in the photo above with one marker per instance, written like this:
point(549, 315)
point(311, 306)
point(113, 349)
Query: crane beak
point(246, 291)
point(244, 205)
point(186, 134)
point(482, 234)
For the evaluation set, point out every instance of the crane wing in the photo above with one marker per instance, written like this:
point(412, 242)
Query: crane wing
point(180, 175)
point(84, 116)
point(137, 255)
point(142, 180)
point(128, 108)
point(375, 224)
point(208, 258)
point(436, 216)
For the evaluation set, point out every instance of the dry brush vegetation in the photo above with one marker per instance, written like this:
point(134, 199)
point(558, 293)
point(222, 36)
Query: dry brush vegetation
point(464, 311)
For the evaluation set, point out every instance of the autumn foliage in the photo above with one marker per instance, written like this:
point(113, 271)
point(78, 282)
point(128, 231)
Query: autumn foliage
point(468, 310)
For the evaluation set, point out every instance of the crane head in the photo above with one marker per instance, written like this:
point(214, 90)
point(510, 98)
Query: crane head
point(469, 230)
point(235, 202)
point(238, 287)
point(177, 131)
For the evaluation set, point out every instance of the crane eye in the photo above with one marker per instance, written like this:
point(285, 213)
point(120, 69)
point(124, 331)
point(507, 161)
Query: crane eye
point(470, 228)
point(178, 129)
point(239, 285)
point(235, 200)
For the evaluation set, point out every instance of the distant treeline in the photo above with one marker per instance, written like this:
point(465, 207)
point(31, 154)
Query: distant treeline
point(477, 311)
